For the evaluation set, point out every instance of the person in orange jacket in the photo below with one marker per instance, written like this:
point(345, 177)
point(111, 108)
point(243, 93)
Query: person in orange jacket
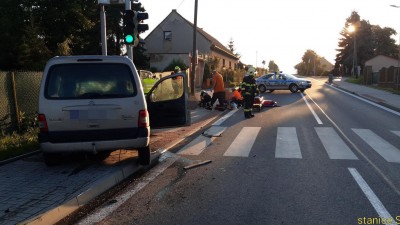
point(218, 88)
point(237, 97)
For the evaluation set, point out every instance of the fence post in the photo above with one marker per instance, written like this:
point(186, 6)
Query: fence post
point(14, 89)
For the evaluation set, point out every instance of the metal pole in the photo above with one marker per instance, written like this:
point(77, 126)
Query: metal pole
point(355, 56)
point(354, 53)
point(194, 54)
point(398, 66)
point(129, 48)
point(398, 61)
point(103, 30)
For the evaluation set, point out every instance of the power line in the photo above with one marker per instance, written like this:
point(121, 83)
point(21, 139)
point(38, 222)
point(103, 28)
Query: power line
point(180, 4)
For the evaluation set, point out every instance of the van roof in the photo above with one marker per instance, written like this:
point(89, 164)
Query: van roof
point(89, 58)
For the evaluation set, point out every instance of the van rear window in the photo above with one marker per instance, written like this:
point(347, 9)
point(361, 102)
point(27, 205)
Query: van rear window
point(89, 80)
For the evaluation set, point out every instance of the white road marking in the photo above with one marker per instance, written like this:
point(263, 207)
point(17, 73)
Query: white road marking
point(243, 142)
point(196, 146)
point(396, 132)
point(373, 199)
point(287, 144)
point(200, 143)
point(312, 110)
point(225, 117)
point(354, 146)
point(382, 147)
point(334, 145)
point(367, 101)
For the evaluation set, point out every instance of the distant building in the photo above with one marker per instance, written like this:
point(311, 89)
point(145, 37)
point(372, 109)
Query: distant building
point(326, 65)
point(380, 61)
point(173, 39)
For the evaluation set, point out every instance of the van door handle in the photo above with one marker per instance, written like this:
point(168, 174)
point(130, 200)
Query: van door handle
point(93, 125)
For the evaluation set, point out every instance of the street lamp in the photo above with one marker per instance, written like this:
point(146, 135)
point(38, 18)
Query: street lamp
point(398, 60)
point(352, 29)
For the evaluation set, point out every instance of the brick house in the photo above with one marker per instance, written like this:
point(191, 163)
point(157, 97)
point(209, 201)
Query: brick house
point(173, 39)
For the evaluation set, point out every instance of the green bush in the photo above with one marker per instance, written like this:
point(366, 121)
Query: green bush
point(176, 62)
point(15, 144)
point(354, 80)
point(22, 142)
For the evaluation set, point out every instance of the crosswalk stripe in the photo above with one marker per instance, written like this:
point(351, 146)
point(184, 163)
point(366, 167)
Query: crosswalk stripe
point(200, 143)
point(396, 132)
point(287, 144)
point(243, 142)
point(334, 145)
point(382, 147)
point(196, 146)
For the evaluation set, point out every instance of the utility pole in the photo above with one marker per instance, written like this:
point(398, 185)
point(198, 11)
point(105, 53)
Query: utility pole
point(103, 30)
point(194, 51)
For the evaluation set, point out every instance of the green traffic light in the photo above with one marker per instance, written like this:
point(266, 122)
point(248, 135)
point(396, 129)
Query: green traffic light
point(129, 39)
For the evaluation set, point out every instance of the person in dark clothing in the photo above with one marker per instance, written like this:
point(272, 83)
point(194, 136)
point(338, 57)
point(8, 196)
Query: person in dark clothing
point(249, 91)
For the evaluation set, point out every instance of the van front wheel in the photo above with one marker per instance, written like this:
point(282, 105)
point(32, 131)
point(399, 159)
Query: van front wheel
point(144, 156)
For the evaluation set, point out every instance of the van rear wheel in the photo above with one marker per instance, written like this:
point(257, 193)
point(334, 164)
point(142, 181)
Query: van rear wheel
point(51, 159)
point(144, 155)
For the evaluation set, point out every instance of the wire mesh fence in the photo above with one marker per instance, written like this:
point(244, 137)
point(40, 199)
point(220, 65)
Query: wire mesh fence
point(19, 91)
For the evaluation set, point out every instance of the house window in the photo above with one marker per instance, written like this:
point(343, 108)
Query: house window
point(167, 35)
point(230, 65)
point(223, 62)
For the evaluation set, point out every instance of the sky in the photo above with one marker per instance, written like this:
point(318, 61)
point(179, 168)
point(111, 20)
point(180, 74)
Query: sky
point(278, 30)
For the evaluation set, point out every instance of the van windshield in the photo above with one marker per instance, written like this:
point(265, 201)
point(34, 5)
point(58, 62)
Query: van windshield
point(89, 80)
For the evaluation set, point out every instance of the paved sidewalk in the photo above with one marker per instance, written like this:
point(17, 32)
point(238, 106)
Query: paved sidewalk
point(381, 97)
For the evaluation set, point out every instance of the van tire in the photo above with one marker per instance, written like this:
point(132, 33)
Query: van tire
point(144, 155)
point(103, 155)
point(51, 159)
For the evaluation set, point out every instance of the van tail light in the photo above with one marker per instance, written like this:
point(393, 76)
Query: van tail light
point(42, 123)
point(143, 118)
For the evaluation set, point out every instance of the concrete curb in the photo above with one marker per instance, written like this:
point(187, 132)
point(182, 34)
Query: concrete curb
point(3, 162)
point(54, 215)
point(60, 212)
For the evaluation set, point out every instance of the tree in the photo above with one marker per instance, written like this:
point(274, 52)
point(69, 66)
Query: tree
point(176, 62)
point(312, 64)
point(231, 47)
point(370, 40)
point(263, 63)
point(11, 32)
point(33, 31)
point(272, 67)
point(383, 43)
point(32, 50)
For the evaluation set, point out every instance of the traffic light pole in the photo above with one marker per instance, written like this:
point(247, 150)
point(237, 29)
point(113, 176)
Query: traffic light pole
point(129, 48)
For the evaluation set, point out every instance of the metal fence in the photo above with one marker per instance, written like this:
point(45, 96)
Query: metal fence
point(19, 93)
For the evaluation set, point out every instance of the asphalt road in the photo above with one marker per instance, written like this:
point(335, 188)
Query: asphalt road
point(322, 157)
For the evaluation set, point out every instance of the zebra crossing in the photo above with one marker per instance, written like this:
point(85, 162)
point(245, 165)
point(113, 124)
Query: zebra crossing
point(287, 144)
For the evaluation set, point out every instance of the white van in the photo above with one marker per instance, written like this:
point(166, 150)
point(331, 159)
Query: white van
point(96, 104)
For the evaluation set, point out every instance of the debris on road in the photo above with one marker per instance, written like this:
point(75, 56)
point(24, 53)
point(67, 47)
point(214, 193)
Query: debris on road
point(197, 164)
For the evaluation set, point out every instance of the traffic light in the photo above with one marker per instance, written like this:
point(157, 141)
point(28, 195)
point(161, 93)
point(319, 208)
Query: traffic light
point(129, 27)
point(138, 21)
